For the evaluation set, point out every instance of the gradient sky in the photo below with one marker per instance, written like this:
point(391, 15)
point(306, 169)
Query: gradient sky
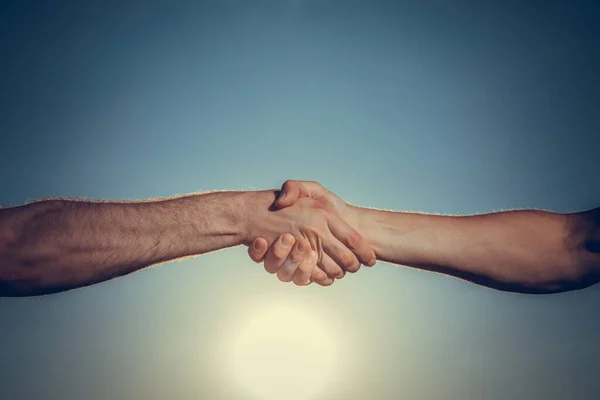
point(423, 106)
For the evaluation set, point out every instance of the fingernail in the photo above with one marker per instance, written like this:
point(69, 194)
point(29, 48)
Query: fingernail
point(372, 262)
point(302, 247)
point(287, 240)
point(256, 246)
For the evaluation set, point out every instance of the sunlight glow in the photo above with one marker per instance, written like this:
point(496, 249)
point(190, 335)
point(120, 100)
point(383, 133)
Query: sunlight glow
point(283, 353)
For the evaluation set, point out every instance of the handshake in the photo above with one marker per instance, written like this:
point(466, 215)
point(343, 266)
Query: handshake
point(524, 251)
point(303, 233)
point(323, 242)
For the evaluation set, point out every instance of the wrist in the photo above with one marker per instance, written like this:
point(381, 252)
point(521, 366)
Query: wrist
point(368, 226)
point(354, 215)
point(216, 218)
point(254, 207)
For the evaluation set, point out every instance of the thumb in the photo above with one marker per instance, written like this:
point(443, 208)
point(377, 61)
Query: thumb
point(293, 190)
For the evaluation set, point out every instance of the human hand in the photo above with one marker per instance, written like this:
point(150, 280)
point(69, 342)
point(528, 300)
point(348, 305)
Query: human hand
point(292, 190)
point(337, 245)
point(291, 259)
point(280, 255)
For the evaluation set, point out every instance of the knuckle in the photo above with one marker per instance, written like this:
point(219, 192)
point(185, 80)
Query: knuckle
point(296, 257)
point(313, 259)
point(354, 239)
point(287, 184)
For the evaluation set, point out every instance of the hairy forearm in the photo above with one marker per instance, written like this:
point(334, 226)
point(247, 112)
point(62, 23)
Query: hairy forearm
point(56, 245)
point(518, 251)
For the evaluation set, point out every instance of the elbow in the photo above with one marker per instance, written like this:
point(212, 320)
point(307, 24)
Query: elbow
point(7, 243)
point(551, 279)
point(11, 281)
point(574, 276)
point(576, 266)
point(17, 278)
point(21, 262)
point(8, 289)
point(584, 275)
point(581, 244)
point(583, 268)
point(7, 234)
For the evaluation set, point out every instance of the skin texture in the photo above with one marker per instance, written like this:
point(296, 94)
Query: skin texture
point(56, 245)
point(334, 245)
point(280, 254)
point(526, 251)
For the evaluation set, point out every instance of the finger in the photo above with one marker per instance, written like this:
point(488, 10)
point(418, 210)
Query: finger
point(278, 252)
point(340, 255)
point(330, 267)
point(299, 253)
point(353, 241)
point(303, 272)
point(320, 278)
point(292, 190)
point(258, 249)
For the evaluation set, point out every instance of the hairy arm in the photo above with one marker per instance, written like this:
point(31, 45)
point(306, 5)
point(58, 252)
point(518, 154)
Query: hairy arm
point(56, 245)
point(519, 251)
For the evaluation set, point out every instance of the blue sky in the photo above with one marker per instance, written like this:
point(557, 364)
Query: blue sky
point(422, 106)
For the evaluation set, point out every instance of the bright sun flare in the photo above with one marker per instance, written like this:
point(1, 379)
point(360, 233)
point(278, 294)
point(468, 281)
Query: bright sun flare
point(283, 354)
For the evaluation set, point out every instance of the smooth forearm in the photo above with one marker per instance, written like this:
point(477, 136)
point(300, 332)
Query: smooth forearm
point(57, 245)
point(520, 251)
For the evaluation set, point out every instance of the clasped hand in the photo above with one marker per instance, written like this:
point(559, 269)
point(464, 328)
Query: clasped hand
point(320, 242)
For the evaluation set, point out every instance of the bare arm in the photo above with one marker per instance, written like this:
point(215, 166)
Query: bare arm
point(56, 245)
point(525, 251)
point(519, 251)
